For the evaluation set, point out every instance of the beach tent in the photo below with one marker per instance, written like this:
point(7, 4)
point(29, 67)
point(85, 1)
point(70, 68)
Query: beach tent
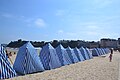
point(78, 54)
point(95, 52)
point(107, 50)
point(100, 51)
point(63, 55)
point(84, 53)
point(49, 57)
point(27, 60)
point(6, 70)
point(72, 55)
point(2, 50)
point(89, 52)
point(103, 51)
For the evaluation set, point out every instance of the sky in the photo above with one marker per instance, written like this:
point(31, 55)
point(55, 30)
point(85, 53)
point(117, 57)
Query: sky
point(47, 20)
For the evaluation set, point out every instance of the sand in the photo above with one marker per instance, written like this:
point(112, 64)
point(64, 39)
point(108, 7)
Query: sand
point(98, 68)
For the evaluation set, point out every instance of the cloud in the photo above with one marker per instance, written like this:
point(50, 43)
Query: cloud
point(60, 31)
point(109, 35)
point(40, 22)
point(60, 13)
point(92, 33)
point(28, 20)
point(101, 3)
point(92, 27)
point(6, 15)
point(71, 34)
point(61, 34)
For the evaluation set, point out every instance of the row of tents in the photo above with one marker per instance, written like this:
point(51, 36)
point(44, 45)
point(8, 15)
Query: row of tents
point(28, 61)
point(100, 51)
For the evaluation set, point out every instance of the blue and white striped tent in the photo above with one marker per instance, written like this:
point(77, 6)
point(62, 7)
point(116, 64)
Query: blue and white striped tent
point(103, 50)
point(63, 55)
point(78, 54)
point(100, 51)
point(107, 50)
point(49, 57)
point(89, 52)
point(6, 70)
point(2, 49)
point(72, 55)
point(27, 60)
point(84, 53)
point(95, 52)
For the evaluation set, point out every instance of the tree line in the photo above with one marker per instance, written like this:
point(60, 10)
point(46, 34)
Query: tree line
point(54, 43)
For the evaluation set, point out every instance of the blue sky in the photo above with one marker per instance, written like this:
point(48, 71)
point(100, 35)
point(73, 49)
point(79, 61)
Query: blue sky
point(47, 20)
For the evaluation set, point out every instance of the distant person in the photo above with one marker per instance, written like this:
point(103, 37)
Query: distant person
point(119, 49)
point(111, 54)
point(10, 54)
point(7, 54)
point(14, 52)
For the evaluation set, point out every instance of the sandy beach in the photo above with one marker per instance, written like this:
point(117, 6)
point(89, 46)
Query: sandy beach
point(98, 68)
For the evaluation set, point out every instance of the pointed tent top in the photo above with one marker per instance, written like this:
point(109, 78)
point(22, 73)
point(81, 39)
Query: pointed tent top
point(48, 45)
point(60, 46)
point(76, 48)
point(68, 48)
point(81, 47)
point(2, 51)
point(1, 47)
point(27, 43)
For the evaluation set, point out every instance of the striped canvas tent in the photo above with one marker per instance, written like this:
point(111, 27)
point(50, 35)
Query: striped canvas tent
point(95, 52)
point(63, 55)
point(27, 60)
point(100, 51)
point(103, 51)
point(89, 52)
point(49, 57)
point(107, 50)
point(78, 54)
point(84, 53)
point(72, 55)
point(6, 71)
point(2, 50)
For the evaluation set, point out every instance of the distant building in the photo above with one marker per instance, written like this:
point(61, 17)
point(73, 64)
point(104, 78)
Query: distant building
point(109, 43)
point(118, 43)
point(94, 44)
